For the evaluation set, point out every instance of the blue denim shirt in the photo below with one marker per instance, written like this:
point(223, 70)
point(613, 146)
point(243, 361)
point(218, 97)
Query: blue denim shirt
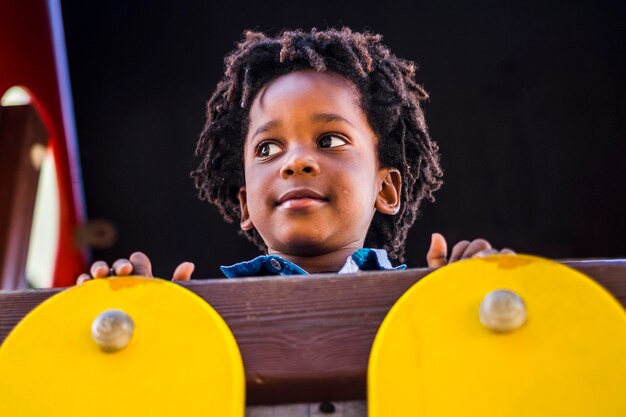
point(362, 260)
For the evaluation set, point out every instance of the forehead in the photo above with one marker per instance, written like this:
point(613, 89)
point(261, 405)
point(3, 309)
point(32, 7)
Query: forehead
point(306, 91)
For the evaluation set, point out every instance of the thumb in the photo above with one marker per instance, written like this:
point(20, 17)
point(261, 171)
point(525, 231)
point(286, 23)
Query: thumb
point(436, 256)
point(183, 272)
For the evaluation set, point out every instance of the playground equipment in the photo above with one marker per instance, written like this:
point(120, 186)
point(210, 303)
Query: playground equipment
point(502, 335)
point(124, 346)
point(305, 342)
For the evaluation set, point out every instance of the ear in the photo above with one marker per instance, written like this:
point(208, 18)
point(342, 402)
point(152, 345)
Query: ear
point(246, 221)
point(388, 198)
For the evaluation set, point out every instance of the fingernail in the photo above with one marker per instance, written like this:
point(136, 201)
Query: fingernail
point(82, 279)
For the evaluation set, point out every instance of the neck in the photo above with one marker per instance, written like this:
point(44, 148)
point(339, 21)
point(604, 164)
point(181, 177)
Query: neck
point(327, 262)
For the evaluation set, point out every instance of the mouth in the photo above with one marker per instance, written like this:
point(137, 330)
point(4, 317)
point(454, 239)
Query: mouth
point(300, 198)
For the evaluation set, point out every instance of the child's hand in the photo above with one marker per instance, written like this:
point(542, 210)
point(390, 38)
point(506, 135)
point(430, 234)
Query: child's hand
point(137, 264)
point(437, 254)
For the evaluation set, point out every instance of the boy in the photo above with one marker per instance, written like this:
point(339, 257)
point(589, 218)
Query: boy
point(336, 156)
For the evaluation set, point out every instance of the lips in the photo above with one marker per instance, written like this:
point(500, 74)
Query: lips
point(300, 198)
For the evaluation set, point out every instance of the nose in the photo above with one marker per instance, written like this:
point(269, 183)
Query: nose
point(299, 163)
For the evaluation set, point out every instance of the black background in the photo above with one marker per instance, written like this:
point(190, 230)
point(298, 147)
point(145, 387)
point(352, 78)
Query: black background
point(528, 105)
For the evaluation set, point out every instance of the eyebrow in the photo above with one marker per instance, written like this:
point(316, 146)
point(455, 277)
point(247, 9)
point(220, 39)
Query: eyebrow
point(316, 118)
point(329, 117)
point(266, 126)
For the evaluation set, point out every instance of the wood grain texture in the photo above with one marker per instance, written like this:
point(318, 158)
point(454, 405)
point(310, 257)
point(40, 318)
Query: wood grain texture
point(307, 339)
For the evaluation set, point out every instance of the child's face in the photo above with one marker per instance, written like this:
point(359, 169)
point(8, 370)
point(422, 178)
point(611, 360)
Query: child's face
point(313, 181)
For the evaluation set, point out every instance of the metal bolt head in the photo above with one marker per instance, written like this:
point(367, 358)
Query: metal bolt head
point(112, 330)
point(502, 311)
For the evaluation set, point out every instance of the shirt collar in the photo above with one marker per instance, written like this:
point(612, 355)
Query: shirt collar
point(364, 259)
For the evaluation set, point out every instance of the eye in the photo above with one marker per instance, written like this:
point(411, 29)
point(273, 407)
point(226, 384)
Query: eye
point(266, 149)
point(331, 141)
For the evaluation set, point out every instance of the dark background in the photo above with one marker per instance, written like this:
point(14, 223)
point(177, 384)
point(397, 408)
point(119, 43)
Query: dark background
point(528, 105)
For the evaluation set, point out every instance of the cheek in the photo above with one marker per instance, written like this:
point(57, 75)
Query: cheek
point(359, 186)
point(256, 189)
point(357, 203)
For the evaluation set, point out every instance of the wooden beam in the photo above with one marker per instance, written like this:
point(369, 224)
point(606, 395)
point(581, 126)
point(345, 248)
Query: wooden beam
point(306, 339)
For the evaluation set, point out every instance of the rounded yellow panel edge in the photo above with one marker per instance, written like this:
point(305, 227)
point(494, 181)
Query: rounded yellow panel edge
point(182, 358)
point(433, 357)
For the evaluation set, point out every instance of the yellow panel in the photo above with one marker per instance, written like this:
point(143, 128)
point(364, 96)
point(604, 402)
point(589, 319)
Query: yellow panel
point(182, 359)
point(433, 357)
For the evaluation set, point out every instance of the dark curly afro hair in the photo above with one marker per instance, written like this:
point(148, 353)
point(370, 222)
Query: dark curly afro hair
point(390, 98)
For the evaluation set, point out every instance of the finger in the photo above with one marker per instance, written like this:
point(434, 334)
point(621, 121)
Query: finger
point(507, 251)
point(99, 269)
point(183, 272)
point(122, 267)
point(83, 278)
point(141, 264)
point(486, 252)
point(436, 256)
point(458, 249)
point(476, 246)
